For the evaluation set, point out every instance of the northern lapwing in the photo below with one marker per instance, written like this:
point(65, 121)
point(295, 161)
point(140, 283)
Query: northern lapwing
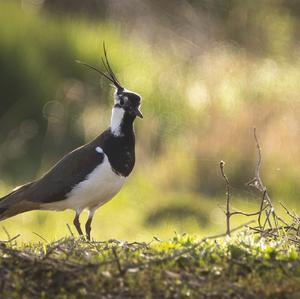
point(90, 175)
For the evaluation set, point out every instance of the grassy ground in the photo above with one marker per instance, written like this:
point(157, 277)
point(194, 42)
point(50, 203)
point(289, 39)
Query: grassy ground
point(184, 267)
point(201, 101)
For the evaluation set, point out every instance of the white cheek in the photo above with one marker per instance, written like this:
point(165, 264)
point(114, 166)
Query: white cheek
point(116, 120)
point(116, 99)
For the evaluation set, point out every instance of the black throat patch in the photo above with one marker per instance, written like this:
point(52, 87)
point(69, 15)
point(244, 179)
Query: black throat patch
point(119, 149)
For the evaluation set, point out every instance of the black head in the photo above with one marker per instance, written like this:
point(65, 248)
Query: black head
point(125, 99)
point(129, 101)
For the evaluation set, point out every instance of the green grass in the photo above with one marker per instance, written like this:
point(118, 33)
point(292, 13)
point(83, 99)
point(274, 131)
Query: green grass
point(183, 267)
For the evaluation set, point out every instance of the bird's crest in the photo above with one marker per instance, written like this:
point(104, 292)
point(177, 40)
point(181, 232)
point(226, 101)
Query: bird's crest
point(109, 74)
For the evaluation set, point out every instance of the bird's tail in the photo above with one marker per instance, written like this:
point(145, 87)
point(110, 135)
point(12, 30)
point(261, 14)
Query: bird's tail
point(13, 203)
point(2, 213)
point(4, 207)
point(11, 210)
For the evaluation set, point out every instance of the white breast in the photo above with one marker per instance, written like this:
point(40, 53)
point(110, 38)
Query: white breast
point(101, 185)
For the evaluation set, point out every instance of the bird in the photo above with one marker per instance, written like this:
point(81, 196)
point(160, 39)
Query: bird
point(91, 175)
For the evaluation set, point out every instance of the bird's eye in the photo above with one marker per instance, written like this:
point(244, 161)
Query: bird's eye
point(121, 101)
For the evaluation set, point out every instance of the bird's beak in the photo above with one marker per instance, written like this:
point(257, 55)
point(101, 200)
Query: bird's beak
point(138, 112)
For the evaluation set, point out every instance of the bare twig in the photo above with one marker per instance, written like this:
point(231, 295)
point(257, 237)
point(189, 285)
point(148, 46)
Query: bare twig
point(69, 228)
point(269, 223)
point(261, 209)
point(227, 213)
point(268, 213)
point(121, 270)
point(274, 234)
point(246, 214)
point(41, 237)
point(257, 183)
point(272, 220)
point(294, 217)
point(12, 239)
point(7, 233)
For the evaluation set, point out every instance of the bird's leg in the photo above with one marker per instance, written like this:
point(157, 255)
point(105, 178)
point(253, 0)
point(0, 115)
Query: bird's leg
point(88, 227)
point(77, 224)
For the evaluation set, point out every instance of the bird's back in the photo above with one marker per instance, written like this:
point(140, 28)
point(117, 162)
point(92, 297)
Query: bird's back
point(79, 168)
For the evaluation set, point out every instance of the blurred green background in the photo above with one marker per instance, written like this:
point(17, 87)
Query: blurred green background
point(208, 72)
